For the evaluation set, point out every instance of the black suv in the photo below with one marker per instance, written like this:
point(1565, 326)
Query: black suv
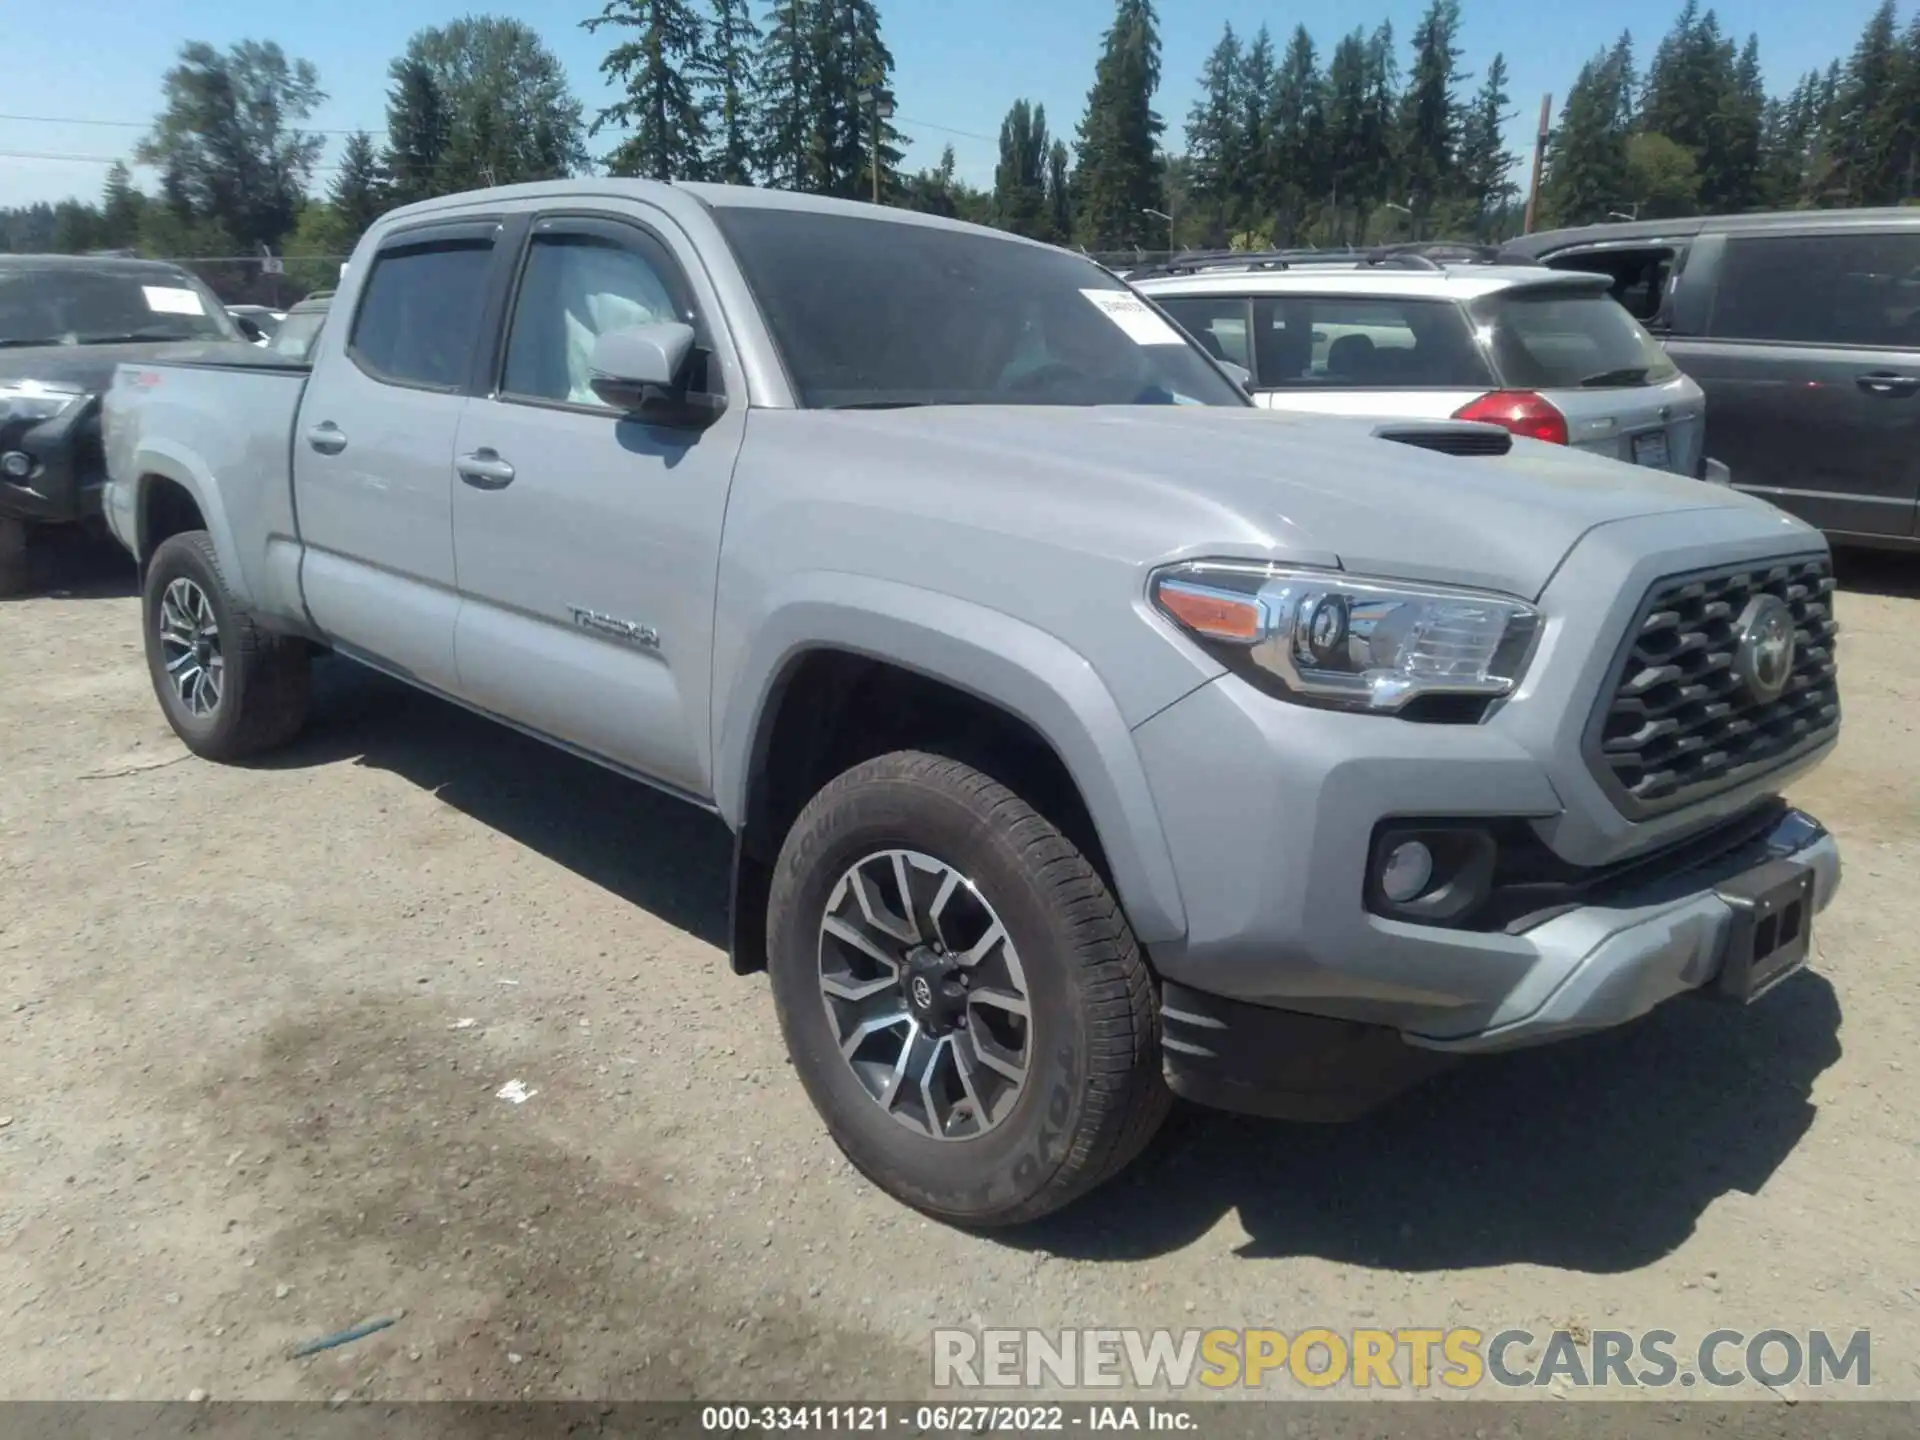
point(65, 322)
point(1803, 328)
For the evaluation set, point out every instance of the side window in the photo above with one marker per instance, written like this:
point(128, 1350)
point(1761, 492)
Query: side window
point(1219, 323)
point(1342, 342)
point(1639, 276)
point(576, 286)
point(419, 316)
point(1845, 289)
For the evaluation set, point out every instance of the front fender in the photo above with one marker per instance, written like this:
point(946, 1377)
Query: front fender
point(1001, 660)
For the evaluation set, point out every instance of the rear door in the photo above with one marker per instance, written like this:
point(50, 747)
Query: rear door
point(587, 541)
point(1572, 342)
point(373, 447)
point(1809, 352)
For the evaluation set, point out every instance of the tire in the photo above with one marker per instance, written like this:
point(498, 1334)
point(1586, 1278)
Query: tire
point(1092, 1093)
point(15, 571)
point(260, 696)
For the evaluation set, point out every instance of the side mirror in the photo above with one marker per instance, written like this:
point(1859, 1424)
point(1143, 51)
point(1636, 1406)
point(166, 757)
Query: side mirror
point(1242, 376)
point(642, 372)
point(250, 329)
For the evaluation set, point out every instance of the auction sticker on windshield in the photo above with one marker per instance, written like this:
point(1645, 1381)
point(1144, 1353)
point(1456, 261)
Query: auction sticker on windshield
point(1133, 315)
point(172, 300)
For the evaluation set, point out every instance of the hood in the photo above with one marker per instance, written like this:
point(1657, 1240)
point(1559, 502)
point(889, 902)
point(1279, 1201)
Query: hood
point(1152, 483)
point(92, 366)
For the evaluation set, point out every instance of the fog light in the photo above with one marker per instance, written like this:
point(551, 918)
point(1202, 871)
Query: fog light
point(17, 464)
point(1408, 869)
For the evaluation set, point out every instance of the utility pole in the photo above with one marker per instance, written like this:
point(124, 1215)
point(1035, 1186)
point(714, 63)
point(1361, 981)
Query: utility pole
point(880, 103)
point(1539, 162)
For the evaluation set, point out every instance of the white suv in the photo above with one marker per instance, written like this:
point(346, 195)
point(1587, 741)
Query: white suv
point(1399, 335)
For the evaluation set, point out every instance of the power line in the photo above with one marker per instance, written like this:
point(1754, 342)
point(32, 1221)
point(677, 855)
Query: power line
point(148, 124)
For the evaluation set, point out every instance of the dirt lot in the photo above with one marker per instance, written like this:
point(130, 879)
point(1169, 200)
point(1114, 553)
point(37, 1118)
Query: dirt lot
point(241, 1104)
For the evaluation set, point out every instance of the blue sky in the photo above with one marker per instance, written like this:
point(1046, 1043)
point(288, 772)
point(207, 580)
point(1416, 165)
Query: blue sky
point(960, 63)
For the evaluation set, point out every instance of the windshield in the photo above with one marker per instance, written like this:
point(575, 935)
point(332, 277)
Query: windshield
point(1556, 339)
point(48, 305)
point(875, 313)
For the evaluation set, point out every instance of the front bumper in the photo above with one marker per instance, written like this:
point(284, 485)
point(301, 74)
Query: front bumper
point(1270, 811)
point(68, 468)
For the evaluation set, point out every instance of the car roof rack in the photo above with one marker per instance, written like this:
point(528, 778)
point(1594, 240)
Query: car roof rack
point(1429, 255)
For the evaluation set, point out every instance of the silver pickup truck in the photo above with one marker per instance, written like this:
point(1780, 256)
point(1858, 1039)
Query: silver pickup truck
point(1088, 734)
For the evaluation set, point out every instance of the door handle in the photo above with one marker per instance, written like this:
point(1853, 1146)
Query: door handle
point(1888, 382)
point(327, 437)
point(485, 470)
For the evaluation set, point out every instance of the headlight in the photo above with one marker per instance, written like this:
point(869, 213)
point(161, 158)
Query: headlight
point(1348, 642)
point(33, 401)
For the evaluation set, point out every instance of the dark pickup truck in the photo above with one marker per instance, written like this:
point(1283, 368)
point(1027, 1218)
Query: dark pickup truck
point(65, 322)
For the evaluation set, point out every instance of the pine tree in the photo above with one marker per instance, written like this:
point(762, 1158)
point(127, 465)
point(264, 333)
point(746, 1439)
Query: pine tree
point(733, 42)
point(1486, 165)
point(1293, 156)
point(1020, 179)
point(787, 90)
point(1118, 176)
point(861, 63)
point(1349, 153)
point(1870, 127)
point(1059, 194)
point(661, 105)
point(1430, 121)
point(1216, 138)
point(358, 194)
point(418, 127)
point(1738, 179)
point(1379, 168)
point(1256, 105)
point(120, 207)
point(1586, 174)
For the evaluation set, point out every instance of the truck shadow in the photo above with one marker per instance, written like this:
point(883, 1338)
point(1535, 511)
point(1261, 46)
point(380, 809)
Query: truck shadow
point(647, 848)
point(1596, 1155)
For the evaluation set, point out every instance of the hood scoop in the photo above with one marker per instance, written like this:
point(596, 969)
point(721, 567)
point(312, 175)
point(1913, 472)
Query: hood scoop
point(1449, 437)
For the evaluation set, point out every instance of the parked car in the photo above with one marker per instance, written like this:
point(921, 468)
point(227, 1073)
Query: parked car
point(257, 322)
point(301, 327)
point(1086, 734)
point(1803, 329)
point(1399, 333)
point(65, 321)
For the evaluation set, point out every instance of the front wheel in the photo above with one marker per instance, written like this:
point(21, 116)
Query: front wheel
point(960, 993)
point(228, 687)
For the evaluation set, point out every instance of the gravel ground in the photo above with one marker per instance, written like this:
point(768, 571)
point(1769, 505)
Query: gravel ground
point(253, 1023)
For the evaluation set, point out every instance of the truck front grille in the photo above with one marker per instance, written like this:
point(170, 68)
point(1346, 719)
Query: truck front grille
point(1677, 722)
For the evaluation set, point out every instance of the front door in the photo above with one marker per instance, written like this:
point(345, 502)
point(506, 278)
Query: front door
point(587, 543)
point(373, 449)
point(1811, 366)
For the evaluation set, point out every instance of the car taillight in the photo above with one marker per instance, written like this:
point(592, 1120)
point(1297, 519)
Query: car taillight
point(1520, 411)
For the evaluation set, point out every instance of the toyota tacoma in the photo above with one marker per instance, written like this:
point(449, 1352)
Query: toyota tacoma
point(1088, 735)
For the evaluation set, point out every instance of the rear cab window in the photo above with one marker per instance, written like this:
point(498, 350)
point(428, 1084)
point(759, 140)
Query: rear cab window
point(1834, 289)
point(419, 317)
point(1565, 338)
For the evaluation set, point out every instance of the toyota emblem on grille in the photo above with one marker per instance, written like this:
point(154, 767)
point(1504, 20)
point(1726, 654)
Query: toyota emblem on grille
point(1763, 652)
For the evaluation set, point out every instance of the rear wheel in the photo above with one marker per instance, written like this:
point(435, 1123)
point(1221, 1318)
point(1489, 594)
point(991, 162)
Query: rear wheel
point(227, 686)
point(963, 999)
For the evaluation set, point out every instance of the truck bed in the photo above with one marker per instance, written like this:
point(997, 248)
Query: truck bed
point(224, 417)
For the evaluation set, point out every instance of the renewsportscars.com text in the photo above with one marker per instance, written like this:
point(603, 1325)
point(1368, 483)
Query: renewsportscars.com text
point(1410, 1358)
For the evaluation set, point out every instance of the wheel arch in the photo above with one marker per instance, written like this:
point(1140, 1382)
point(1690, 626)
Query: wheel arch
point(813, 656)
point(168, 484)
